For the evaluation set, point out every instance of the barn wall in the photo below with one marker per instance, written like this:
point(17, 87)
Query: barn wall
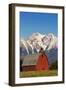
point(29, 68)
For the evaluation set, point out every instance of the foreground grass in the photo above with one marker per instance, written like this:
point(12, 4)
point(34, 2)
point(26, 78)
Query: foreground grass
point(38, 73)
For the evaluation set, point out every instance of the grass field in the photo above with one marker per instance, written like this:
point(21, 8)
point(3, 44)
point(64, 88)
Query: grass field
point(38, 73)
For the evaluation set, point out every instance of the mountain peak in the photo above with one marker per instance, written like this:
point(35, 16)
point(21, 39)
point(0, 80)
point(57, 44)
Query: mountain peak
point(37, 40)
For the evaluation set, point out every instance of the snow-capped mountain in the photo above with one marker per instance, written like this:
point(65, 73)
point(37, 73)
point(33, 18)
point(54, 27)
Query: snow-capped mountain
point(37, 40)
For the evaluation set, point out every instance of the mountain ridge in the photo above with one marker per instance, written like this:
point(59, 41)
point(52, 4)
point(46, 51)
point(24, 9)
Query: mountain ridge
point(37, 40)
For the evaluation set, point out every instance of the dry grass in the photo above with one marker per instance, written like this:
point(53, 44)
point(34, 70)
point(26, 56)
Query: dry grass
point(38, 73)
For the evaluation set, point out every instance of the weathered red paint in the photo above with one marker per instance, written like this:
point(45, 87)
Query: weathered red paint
point(29, 68)
point(42, 63)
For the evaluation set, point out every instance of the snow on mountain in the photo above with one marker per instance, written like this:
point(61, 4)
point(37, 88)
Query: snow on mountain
point(36, 36)
point(37, 40)
point(53, 41)
point(24, 45)
point(30, 47)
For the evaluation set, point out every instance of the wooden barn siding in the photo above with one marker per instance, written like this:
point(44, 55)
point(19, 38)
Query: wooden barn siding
point(29, 68)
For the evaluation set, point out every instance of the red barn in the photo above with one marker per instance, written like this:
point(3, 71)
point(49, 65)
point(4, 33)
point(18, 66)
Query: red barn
point(34, 62)
point(42, 63)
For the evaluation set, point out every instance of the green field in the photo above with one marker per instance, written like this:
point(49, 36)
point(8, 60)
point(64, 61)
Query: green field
point(38, 73)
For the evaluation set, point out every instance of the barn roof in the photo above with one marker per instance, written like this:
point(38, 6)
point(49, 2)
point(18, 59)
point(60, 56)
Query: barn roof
point(29, 60)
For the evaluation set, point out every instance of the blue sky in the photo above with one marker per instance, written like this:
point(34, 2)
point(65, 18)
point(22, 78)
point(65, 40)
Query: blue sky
point(43, 23)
